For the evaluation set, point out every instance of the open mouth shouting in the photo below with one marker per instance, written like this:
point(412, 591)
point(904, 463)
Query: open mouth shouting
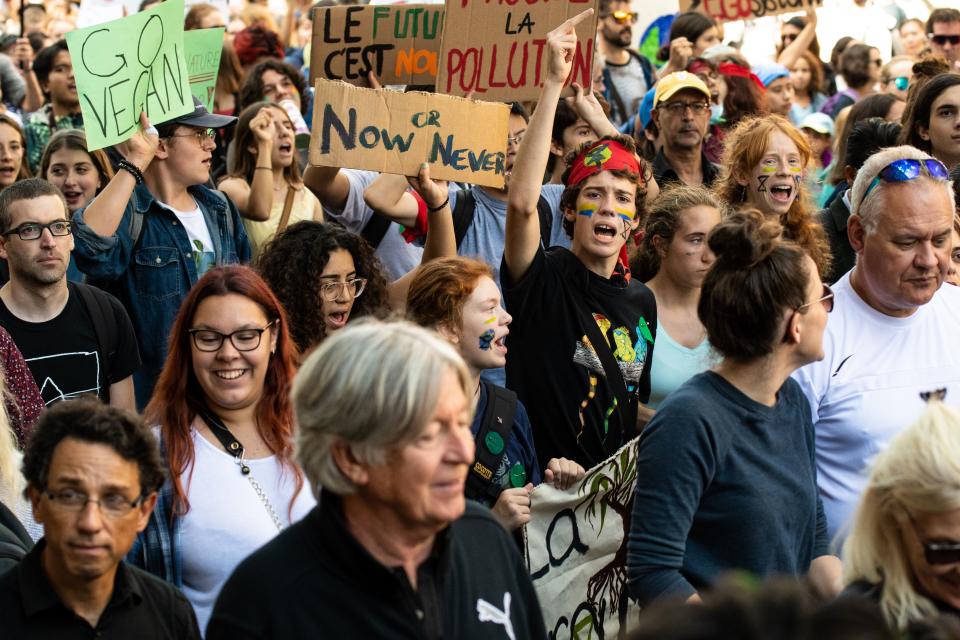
point(782, 193)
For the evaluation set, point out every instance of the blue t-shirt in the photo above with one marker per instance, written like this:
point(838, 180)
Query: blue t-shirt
point(518, 447)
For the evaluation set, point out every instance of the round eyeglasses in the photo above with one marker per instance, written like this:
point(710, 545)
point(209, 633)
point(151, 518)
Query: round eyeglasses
point(208, 340)
point(331, 291)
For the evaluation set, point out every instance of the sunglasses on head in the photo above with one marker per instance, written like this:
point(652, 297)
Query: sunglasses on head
point(623, 17)
point(907, 169)
point(941, 552)
point(941, 39)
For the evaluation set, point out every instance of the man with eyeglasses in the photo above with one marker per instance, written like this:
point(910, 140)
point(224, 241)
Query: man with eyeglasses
point(681, 111)
point(75, 338)
point(155, 229)
point(626, 74)
point(93, 473)
point(893, 331)
point(943, 33)
point(53, 70)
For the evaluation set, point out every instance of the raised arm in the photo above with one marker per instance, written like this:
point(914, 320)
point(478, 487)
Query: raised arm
point(523, 224)
point(103, 215)
point(255, 201)
point(329, 184)
point(801, 43)
point(587, 106)
point(387, 195)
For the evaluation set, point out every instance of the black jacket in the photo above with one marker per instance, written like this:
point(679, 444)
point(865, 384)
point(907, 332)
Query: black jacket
point(15, 542)
point(315, 580)
point(834, 221)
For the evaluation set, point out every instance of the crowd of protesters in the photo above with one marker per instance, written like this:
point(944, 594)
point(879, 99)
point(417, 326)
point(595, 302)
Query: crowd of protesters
point(246, 397)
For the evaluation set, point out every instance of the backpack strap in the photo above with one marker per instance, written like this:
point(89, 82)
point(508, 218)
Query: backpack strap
point(375, 229)
point(463, 214)
point(545, 213)
point(495, 431)
point(100, 310)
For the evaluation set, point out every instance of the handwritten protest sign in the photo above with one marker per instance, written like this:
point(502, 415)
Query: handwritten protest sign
point(127, 66)
point(576, 551)
point(201, 49)
point(399, 43)
point(727, 10)
point(394, 132)
point(497, 49)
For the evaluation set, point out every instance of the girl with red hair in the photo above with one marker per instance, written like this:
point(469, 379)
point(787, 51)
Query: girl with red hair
point(225, 423)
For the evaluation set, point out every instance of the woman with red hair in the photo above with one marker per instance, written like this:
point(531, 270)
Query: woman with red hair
point(225, 424)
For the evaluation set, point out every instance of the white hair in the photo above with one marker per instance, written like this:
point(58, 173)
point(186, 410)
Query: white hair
point(373, 386)
point(11, 479)
point(870, 209)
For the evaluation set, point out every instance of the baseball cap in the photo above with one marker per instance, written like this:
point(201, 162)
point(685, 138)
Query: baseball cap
point(819, 122)
point(678, 81)
point(200, 117)
point(770, 71)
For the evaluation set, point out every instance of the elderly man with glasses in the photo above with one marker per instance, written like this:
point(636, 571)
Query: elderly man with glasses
point(93, 472)
point(893, 333)
point(156, 228)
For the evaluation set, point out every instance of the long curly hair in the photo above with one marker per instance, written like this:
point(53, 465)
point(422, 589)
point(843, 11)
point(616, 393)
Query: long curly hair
point(292, 262)
point(178, 396)
point(744, 149)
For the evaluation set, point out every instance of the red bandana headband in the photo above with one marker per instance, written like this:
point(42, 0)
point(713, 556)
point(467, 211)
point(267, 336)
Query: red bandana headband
point(731, 69)
point(606, 155)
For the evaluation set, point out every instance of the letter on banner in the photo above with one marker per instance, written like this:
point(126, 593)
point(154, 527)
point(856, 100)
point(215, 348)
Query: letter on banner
point(127, 66)
point(202, 48)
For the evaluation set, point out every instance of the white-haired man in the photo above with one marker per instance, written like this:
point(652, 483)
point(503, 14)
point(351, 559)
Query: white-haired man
point(893, 332)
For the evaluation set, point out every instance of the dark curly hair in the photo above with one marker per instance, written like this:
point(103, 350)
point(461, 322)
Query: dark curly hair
point(252, 89)
point(292, 262)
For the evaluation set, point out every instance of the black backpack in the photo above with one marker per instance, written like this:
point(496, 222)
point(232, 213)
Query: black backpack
point(466, 209)
point(100, 309)
point(498, 418)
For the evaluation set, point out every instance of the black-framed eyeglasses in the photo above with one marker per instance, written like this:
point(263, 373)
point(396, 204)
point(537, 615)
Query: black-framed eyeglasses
point(330, 291)
point(208, 340)
point(942, 39)
point(623, 17)
point(115, 505)
point(826, 299)
point(907, 169)
point(679, 107)
point(202, 135)
point(33, 230)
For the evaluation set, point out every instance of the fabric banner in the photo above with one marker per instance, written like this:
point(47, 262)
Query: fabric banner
point(576, 551)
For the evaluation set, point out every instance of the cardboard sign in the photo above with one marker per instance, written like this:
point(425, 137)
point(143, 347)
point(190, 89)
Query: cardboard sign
point(399, 43)
point(728, 10)
point(498, 49)
point(576, 551)
point(127, 66)
point(393, 132)
point(202, 49)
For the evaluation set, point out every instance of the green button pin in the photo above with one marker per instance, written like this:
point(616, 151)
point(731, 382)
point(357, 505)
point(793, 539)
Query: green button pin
point(518, 476)
point(494, 443)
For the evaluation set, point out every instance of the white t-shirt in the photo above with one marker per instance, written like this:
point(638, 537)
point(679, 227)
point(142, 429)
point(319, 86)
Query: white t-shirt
point(868, 386)
point(397, 255)
point(227, 521)
point(193, 223)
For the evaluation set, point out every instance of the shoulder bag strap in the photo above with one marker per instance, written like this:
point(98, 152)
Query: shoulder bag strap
point(491, 441)
point(287, 207)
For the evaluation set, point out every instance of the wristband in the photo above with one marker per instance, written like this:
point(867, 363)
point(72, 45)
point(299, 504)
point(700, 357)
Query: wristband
point(132, 169)
point(435, 209)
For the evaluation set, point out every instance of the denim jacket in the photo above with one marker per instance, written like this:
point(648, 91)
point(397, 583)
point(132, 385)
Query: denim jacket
point(153, 273)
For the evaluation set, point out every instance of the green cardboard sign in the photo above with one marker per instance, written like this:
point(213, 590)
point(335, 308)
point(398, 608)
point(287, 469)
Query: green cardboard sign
point(202, 48)
point(127, 66)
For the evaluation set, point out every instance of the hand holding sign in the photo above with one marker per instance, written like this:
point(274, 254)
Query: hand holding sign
point(433, 192)
point(561, 44)
point(141, 147)
point(513, 507)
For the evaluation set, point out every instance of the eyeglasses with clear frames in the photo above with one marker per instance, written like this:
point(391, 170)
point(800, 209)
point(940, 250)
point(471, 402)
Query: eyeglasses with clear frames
point(202, 135)
point(826, 299)
point(330, 291)
point(33, 230)
point(115, 505)
point(208, 340)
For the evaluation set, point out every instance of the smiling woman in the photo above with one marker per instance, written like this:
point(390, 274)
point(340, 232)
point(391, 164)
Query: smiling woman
point(226, 426)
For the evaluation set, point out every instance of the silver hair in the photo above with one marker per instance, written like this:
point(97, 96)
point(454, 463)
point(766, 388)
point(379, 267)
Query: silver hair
point(373, 386)
point(870, 209)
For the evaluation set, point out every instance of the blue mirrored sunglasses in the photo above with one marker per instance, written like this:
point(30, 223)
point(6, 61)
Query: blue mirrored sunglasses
point(901, 83)
point(907, 169)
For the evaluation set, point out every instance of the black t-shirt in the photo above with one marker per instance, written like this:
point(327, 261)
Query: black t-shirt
point(63, 353)
point(553, 367)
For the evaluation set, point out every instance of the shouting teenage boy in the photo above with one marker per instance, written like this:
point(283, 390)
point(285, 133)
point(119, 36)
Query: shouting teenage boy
point(582, 333)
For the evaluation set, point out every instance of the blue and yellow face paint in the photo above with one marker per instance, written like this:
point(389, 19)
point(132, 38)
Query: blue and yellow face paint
point(626, 214)
point(587, 209)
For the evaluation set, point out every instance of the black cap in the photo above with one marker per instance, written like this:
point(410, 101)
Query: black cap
point(200, 117)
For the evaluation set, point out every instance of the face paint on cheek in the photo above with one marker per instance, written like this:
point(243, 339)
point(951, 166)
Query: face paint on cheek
point(486, 339)
point(762, 183)
point(490, 320)
point(797, 177)
point(587, 209)
point(627, 217)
